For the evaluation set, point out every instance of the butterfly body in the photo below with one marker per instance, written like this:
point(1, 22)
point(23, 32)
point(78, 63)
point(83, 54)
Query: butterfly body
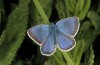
point(53, 31)
point(60, 35)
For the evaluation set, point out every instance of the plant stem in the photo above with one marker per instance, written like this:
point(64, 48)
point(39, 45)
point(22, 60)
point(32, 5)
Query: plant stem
point(67, 8)
point(40, 9)
point(59, 61)
point(67, 58)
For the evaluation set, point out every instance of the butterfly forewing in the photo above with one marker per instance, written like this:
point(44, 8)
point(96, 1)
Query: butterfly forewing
point(68, 26)
point(39, 33)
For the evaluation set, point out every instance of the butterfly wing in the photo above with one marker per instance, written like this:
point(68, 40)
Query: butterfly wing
point(48, 46)
point(39, 33)
point(68, 26)
point(65, 42)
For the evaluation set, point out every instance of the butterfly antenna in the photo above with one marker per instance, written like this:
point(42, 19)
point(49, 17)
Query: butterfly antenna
point(56, 20)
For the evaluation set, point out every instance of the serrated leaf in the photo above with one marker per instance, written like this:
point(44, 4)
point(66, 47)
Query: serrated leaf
point(84, 39)
point(82, 34)
point(78, 51)
point(61, 9)
point(51, 62)
point(45, 8)
point(64, 7)
point(85, 9)
point(58, 57)
point(58, 54)
point(85, 33)
point(35, 17)
point(14, 33)
point(69, 60)
point(89, 57)
point(67, 8)
point(95, 19)
point(72, 4)
point(59, 60)
point(79, 6)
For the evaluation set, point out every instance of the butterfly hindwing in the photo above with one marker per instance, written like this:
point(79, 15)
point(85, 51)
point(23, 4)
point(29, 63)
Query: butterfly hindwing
point(68, 26)
point(65, 42)
point(39, 33)
point(48, 46)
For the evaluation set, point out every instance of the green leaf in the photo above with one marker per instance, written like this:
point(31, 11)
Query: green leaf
point(68, 58)
point(67, 5)
point(14, 33)
point(72, 4)
point(89, 58)
point(78, 51)
point(80, 37)
point(59, 60)
point(51, 62)
point(61, 9)
point(84, 39)
point(86, 35)
point(66, 8)
point(59, 57)
point(95, 19)
point(85, 9)
point(35, 17)
point(79, 6)
point(58, 54)
point(45, 8)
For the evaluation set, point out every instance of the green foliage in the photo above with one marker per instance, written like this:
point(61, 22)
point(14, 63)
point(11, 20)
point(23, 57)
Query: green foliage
point(52, 62)
point(83, 9)
point(35, 16)
point(73, 8)
point(67, 8)
point(84, 38)
point(58, 57)
point(14, 33)
point(89, 57)
point(95, 19)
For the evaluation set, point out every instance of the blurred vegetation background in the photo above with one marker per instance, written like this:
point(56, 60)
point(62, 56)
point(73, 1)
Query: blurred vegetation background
point(16, 16)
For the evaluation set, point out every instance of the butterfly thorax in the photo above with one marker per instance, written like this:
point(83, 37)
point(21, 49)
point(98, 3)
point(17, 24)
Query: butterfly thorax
point(53, 28)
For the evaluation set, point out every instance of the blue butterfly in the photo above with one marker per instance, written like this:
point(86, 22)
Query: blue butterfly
point(60, 35)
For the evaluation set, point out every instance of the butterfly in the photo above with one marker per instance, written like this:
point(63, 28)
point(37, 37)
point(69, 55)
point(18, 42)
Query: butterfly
point(60, 35)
